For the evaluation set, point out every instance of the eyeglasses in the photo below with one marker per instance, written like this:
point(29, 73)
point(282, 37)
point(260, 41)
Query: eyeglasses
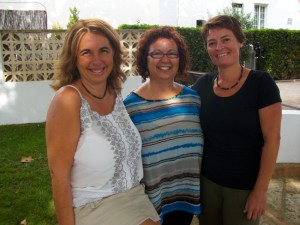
point(160, 55)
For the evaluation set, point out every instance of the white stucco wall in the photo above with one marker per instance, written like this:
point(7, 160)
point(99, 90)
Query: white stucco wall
point(183, 13)
point(28, 102)
point(290, 141)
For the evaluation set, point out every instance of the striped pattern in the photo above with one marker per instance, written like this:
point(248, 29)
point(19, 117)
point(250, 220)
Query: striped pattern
point(172, 149)
point(23, 20)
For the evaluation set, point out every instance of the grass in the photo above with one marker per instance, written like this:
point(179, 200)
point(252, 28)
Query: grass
point(25, 188)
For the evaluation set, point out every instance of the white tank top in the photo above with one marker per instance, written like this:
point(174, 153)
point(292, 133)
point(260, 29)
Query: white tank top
point(108, 156)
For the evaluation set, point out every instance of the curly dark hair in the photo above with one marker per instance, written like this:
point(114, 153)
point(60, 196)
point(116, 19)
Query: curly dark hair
point(152, 35)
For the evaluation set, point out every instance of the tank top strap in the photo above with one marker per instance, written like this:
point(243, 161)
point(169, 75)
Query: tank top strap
point(76, 90)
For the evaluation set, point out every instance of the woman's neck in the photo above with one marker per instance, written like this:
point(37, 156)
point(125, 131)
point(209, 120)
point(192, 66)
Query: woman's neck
point(162, 90)
point(229, 74)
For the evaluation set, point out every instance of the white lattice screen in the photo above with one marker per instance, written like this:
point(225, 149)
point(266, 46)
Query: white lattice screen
point(29, 56)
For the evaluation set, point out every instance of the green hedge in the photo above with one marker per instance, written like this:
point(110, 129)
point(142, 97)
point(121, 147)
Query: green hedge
point(278, 51)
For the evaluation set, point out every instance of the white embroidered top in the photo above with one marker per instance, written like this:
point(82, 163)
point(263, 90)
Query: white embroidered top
point(108, 156)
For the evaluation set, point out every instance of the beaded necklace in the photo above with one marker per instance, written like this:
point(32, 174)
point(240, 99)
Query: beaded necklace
point(229, 88)
point(87, 90)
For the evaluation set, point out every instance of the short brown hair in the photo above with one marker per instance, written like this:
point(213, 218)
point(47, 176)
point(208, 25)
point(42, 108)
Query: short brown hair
point(224, 21)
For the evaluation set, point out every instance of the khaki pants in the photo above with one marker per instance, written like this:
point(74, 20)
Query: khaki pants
point(129, 208)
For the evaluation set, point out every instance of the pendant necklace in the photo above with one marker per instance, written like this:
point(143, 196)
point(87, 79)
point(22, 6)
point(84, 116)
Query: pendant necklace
point(87, 90)
point(229, 88)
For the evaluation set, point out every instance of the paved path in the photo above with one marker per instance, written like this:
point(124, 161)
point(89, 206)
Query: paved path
point(283, 202)
point(290, 94)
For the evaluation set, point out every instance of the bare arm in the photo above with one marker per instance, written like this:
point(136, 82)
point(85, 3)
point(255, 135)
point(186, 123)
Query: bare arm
point(270, 120)
point(62, 134)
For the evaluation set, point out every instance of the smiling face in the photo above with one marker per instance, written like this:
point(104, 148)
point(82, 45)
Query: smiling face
point(166, 67)
point(94, 58)
point(223, 47)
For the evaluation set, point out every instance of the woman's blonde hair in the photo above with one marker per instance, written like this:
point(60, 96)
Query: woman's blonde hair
point(66, 70)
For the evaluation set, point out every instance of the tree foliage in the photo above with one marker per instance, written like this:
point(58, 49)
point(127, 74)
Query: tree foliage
point(57, 26)
point(245, 19)
point(74, 17)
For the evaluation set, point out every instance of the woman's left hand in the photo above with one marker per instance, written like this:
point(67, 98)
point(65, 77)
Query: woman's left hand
point(255, 205)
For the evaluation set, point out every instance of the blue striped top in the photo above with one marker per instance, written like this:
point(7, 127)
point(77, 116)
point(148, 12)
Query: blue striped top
point(172, 146)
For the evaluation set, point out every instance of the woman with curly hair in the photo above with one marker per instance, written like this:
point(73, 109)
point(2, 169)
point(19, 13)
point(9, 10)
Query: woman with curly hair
point(166, 114)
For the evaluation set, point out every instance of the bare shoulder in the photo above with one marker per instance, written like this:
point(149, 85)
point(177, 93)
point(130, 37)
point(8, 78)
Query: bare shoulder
point(67, 96)
point(65, 101)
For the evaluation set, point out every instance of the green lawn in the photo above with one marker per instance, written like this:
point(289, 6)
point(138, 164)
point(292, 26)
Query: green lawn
point(25, 189)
